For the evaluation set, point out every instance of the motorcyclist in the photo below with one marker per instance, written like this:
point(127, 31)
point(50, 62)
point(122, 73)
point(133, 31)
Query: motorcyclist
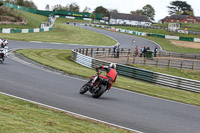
point(4, 46)
point(111, 74)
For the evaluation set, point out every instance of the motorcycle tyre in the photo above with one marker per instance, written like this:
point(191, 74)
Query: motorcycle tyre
point(84, 88)
point(99, 92)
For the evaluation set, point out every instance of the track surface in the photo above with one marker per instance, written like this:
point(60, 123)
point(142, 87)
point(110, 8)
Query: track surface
point(124, 108)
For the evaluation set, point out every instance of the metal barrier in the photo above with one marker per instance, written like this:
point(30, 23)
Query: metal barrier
point(136, 73)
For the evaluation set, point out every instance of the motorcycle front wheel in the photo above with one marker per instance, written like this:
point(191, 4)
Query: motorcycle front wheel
point(84, 88)
point(99, 92)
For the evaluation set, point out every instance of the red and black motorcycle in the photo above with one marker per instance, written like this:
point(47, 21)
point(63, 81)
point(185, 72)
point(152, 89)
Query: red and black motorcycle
point(96, 86)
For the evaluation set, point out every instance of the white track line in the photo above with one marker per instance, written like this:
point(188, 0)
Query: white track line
point(54, 72)
point(71, 113)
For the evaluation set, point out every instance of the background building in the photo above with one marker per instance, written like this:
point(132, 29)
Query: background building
point(181, 19)
point(129, 19)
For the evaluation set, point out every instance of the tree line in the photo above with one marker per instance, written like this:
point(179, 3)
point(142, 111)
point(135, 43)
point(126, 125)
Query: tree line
point(176, 7)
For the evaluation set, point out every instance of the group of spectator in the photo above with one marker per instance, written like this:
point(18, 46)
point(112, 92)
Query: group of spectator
point(143, 51)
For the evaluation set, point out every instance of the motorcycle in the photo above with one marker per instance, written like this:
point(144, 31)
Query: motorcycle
point(3, 50)
point(2, 55)
point(96, 85)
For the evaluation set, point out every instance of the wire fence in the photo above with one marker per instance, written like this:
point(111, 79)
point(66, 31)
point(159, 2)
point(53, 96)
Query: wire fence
point(162, 59)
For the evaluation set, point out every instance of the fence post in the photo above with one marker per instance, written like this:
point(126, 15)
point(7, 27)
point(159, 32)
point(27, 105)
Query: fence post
point(145, 61)
point(87, 51)
point(97, 50)
point(159, 54)
point(157, 62)
point(83, 51)
point(128, 58)
point(91, 51)
point(133, 59)
point(193, 66)
point(181, 64)
point(169, 63)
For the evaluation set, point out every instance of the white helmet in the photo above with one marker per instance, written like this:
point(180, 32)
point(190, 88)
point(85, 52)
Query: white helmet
point(112, 65)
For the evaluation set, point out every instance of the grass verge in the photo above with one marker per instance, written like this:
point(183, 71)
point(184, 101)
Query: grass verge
point(17, 116)
point(185, 73)
point(64, 33)
point(157, 31)
point(167, 45)
point(60, 59)
point(34, 21)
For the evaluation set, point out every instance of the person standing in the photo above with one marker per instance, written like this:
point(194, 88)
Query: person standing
point(136, 51)
point(155, 51)
point(141, 51)
point(114, 50)
point(118, 49)
point(145, 51)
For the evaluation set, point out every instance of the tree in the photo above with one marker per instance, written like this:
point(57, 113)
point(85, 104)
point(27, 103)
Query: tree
point(29, 4)
point(113, 11)
point(86, 9)
point(59, 7)
point(180, 7)
point(20, 2)
point(149, 11)
point(47, 7)
point(92, 16)
point(1, 3)
point(101, 10)
point(73, 7)
point(186, 12)
point(137, 12)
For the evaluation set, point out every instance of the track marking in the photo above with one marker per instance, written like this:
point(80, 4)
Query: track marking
point(69, 112)
point(68, 76)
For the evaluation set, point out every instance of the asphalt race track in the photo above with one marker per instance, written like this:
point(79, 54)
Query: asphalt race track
point(132, 110)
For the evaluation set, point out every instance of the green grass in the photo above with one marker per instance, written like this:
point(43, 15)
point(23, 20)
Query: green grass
point(18, 116)
point(193, 26)
point(157, 31)
point(34, 21)
point(190, 74)
point(167, 45)
point(64, 33)
point(60, 59)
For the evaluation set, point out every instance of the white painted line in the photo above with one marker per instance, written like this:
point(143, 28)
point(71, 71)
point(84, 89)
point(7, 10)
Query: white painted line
point(43, 69)
point(69, 112)
point(128, 91)
point(35, 41)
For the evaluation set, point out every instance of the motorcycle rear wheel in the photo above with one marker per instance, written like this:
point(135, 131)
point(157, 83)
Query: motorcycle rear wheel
point(99, 92)
point(84, 88)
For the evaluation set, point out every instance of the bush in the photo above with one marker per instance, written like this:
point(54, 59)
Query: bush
point(1, 3)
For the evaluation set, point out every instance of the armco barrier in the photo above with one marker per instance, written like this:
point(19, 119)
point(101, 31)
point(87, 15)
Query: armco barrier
point(140, 74)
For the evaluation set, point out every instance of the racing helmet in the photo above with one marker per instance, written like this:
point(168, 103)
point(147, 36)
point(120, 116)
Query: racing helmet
point(112, 65)
point(5, 42)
